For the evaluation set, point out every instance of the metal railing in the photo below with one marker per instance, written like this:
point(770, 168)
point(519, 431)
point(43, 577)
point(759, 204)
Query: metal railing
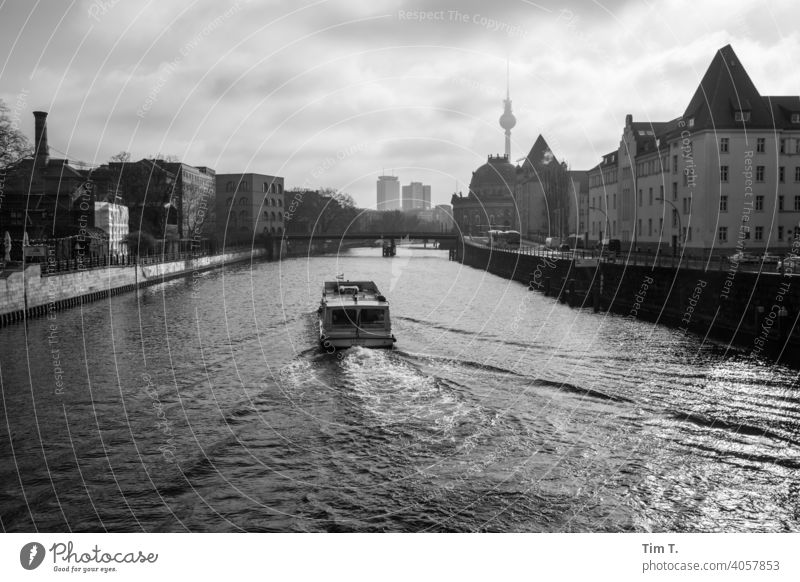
point(128, 260)
point(703, 262)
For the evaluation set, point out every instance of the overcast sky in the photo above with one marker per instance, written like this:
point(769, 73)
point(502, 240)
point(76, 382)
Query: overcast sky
point(329, 93)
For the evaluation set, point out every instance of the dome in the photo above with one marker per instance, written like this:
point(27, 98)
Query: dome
point(496, 177)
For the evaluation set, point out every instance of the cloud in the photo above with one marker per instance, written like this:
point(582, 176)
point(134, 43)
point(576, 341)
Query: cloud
point(281, 88)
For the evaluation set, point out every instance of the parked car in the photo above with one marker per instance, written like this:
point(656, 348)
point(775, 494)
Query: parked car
point(769, 258)
point(613, 245)
point(790, 264)
point(740, 257)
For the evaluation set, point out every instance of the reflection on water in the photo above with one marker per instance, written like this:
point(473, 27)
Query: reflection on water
point(499, 410)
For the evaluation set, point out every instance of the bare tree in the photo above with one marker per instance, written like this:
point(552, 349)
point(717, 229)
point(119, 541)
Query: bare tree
point(13, 144)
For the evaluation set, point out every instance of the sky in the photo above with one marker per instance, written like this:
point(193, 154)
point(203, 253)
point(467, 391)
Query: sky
point(334, 93)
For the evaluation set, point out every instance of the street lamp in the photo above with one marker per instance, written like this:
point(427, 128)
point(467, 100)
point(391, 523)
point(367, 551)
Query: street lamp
point(678, 214)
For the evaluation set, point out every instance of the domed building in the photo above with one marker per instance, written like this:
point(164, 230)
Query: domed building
point(533, 198)
point(490, 202)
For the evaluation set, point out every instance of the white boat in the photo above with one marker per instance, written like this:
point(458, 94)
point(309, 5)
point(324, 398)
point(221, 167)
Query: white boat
point(354, 313)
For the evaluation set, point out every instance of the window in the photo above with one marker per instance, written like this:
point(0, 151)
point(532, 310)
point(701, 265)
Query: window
point(687, 205)
point(795, 117)
point(614, 228)
point(780, 233)
point(614, 199)
point(759, 203)
point(761, 145)
point(797, 203)
point(649, 227)
point(660, 226)
point(759, 173)
point(783, 146)
point(722, 235)
point(344, 317)
point(674, 218)
point(661, 191)
point(650, 196)
point(372, 318)
point(723, 145)
point(229, 187)
point(781, 174)
point(723, 173)
point(265, 187)
point(280, 202)
point(742, 116)
point(759, 233)
point(723, 204)
point(639, 227)
point(272, 216)
point(780, 203)
point(242, 201)
point(797, 174)
point(674, 164)
point(674, 191)
point(691, 122)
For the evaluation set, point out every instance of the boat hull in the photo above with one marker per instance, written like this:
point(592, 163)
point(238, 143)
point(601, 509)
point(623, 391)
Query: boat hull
point(349, 342)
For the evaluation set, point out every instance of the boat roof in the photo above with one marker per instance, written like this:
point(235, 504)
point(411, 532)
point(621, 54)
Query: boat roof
point(352, 294)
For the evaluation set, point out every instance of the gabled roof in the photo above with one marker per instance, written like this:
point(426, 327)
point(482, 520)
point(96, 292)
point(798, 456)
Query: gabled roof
point(725, 89)
point(540, 155)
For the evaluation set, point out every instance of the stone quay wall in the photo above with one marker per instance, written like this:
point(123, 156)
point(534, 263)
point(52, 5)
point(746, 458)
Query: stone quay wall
point(32, 294)
point(756, 311)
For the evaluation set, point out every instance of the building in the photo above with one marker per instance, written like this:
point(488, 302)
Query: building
point(113, 220)
point(170, 201)
point(533, 197)
point(578, 205)
point(54, 201)
point(388, 193)
point(541, 194)
point(416, 196)
point(249, 205)
point(443, 217)
point(721, 177)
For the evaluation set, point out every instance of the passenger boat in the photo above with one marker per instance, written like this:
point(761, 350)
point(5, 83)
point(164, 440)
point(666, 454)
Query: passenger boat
point(354, 313)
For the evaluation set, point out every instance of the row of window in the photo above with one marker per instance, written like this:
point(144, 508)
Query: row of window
point(787, 145)
point(758, 233)
point(246, 202)
point(758, 205)
point(658, 166)
point(245, 215)
point(686, 233)
point(724, 171)
point(244, 186)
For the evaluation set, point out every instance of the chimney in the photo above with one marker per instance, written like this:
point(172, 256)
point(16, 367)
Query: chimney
point(40, 135)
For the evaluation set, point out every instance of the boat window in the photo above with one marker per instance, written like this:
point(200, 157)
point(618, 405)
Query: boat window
point(373, 316)
point(344, 316)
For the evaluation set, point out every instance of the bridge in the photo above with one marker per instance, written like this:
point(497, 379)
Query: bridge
point(440, 236)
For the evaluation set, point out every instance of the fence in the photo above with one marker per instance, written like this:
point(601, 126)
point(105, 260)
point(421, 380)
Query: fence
point(51, 266)
point(704, 262)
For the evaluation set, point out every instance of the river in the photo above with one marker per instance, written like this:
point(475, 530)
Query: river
point(203, 404)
